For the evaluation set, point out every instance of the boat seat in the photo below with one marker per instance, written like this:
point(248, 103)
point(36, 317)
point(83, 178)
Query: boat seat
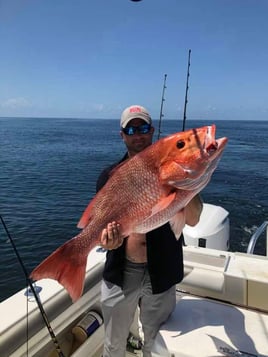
point(203, 327)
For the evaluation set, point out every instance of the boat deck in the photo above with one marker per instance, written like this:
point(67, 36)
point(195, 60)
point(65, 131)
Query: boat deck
point(221, 330)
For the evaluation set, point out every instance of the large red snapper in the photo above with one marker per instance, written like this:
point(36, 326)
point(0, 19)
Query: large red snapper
point(142, 194)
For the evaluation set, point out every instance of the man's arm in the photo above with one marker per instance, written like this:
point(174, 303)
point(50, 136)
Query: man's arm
point(111, 236)
point(193, 211)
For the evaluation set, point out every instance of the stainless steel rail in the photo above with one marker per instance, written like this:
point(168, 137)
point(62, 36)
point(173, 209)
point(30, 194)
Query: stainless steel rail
point(255, 237)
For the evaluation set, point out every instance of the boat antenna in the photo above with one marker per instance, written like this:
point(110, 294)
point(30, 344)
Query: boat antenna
point(161, 109)
point(40, 306)
point(186, 91)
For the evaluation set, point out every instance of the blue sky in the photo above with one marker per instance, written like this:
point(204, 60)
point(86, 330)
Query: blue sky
point(92, 58)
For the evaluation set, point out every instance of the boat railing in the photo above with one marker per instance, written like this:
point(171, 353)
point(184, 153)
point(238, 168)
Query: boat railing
point(255, 237)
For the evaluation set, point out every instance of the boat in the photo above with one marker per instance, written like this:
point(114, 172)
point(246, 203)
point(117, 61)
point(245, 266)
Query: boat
point(221, 310)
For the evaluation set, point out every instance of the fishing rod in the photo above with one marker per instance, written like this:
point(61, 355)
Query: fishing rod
point(40, 306)
point(186, 91)
point(161, 109)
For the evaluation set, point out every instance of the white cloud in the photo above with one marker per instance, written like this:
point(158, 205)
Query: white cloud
point(98, 107)
point(16, 103)
point(211, 108)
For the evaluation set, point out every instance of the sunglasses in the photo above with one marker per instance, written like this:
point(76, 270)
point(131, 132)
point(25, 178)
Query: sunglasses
point(142, 129)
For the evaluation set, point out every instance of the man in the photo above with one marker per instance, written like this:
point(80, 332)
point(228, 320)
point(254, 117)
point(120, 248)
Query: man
point(142, 269)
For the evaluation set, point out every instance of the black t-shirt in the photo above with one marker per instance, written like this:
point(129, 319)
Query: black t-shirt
point(164, 253)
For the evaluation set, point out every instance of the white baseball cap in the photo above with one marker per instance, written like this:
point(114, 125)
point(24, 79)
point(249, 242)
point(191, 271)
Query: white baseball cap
point(135, 111)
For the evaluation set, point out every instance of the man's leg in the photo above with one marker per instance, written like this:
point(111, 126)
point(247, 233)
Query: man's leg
point(118, 313)
point(118, 308)
point(154, 311)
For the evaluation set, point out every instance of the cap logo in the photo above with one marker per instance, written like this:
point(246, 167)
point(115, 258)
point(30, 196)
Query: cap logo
point(135, 110)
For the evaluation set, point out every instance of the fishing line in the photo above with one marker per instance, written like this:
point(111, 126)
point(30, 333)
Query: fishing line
point(161, 108)
point(39, 304)
point(186, 90)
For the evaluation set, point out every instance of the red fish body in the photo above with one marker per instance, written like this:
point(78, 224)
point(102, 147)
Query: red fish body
point(142, 194)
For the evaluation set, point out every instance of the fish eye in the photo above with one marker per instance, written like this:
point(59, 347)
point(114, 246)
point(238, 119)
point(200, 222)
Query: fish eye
point(180, 144)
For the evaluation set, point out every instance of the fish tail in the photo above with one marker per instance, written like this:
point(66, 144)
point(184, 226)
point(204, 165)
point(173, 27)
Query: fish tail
point(65, 266)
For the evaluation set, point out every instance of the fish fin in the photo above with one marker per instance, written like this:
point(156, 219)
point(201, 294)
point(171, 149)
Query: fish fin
point(113, 171)
point(177, 223)
point(86, 216)
point(163, 203)
point(171, 169)
point(66, 267)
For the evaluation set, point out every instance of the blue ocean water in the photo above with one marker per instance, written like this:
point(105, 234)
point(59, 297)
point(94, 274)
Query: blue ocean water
point(48, 170)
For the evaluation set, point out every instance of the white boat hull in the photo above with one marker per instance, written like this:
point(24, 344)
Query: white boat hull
point(222, 310)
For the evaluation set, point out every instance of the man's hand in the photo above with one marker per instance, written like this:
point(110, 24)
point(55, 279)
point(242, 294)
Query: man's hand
point(111, 236)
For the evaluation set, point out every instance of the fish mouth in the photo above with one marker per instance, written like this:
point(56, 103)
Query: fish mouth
point(211, 148)
point(211, 145)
